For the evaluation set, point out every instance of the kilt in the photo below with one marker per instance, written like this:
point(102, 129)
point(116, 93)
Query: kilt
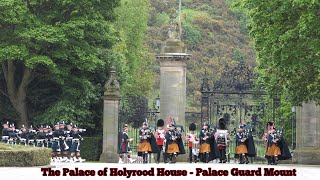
point(241, 149)
point(69, 143)
point(273, 150)
point(55, 146)
point(173, 148)
point(125, 148)
point(75, 146)
point(59, 145)
point(144, 146)
point(204, 148)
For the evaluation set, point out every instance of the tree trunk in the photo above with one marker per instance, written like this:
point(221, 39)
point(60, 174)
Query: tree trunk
point(17, 92)
point(23, 112)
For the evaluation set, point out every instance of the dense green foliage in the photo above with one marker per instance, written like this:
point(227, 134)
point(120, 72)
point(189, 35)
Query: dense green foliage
point(286, 38)
point(91, 148)
point(23, 156)
point(55, 57)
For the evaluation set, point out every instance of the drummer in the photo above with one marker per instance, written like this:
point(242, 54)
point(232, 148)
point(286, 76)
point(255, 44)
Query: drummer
point(193, 143)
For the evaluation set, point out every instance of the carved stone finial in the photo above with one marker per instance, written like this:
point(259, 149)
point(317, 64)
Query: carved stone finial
point(112, 87)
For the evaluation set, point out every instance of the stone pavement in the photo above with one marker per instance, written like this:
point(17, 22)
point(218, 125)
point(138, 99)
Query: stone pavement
point(233, 171)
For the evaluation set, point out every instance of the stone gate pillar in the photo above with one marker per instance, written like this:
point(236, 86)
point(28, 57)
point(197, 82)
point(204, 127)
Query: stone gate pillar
point(111, 100)
point(307, 134)
point(172, 59)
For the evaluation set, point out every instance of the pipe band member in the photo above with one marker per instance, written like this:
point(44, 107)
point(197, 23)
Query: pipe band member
point(193, 143)
point(205, 148)
point(174, 144)
point(222, 139)
point(147, 144)
point(159, 134)
point(241, 148)
point(124, 147)
point(277, 148)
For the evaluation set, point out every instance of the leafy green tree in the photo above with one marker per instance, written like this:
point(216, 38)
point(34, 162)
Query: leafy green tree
point(286, 38)
point(132, 18)
point(63, 44)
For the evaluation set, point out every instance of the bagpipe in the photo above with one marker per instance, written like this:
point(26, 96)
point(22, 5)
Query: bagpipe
point(176, 134)
point(277, 135)
point(145, 133)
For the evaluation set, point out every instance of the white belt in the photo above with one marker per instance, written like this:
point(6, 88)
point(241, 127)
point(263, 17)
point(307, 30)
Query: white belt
point(23, 140)
point(56, 139)
point(40, 140)
point(69, 139)
point(31, 141)
point(75, 140)
point(5, 137)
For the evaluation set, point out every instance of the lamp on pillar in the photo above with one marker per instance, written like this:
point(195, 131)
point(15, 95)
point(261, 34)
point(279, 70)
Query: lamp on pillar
point(158, 102)
point(155, 110)
point(276, 104)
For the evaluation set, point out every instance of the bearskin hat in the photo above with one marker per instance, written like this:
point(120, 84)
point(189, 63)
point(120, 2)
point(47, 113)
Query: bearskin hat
point(269, 125)
point(160, 123)
point(206, 124)
point(222, 123)
point(192, 127)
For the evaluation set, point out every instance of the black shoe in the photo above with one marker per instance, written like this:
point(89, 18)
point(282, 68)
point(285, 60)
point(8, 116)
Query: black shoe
point(275, 160)
point(174, 158)
point(220, 161)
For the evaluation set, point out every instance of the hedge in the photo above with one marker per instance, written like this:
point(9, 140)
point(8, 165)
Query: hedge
point(91, 148)
point(23, 156)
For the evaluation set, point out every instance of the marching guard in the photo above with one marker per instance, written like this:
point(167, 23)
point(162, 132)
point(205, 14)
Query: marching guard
point(76, 145)
point(23, 136)
point(41, 137)
point(124, 146)
point(31, 136)
point(69, 138)
point(5, 133)
point(277, 148)
point(174, 144)
point(59, 144)
point(160, 137)
point(193, 143)
point(222, 139)
point(208, 147)
point(13, 135)
point(147, 144)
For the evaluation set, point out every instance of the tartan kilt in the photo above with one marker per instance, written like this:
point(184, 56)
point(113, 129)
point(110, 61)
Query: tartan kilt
point(241, 149)
point(273, 150)
point(144, 146)
point(173, 148)
point(204, 148)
